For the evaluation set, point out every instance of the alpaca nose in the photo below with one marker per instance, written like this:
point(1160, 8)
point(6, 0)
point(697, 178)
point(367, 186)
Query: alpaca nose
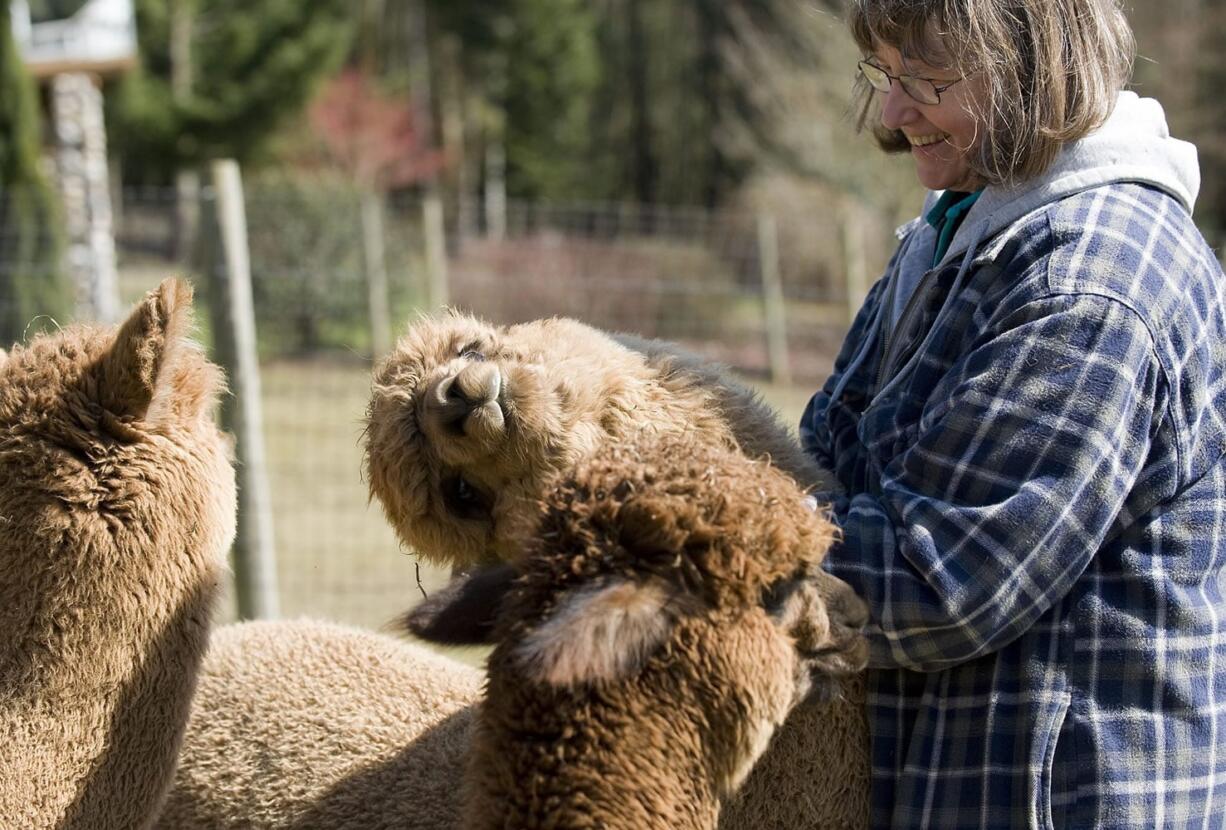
point(468, 402)
point(475, 385)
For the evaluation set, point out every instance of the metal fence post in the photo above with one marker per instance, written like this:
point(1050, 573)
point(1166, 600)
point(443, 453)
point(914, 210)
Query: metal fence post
point(233, 316)
point(774, 310)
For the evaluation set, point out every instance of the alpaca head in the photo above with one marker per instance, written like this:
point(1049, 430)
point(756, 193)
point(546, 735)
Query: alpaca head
point(687, 584)
point(115, 484)
point(467, 420)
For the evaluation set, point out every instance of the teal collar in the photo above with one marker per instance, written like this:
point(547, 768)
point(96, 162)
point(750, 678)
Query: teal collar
point(946, 215)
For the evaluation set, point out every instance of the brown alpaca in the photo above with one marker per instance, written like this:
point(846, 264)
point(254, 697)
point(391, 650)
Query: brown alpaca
point(643, 597)
point(663, 622)
point(116, 510)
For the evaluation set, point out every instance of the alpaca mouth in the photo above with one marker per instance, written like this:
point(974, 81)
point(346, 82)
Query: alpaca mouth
point(486, 422)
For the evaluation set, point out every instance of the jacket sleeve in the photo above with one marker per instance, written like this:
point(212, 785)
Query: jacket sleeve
point(1018, 468)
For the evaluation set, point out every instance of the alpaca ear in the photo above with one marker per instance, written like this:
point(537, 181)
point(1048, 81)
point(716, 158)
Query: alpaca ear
point(462, 613)
point(4, 358)
point(600, 633)
point(140, 375)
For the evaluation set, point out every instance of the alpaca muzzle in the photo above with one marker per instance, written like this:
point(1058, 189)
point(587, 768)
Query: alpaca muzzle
point(467, 405)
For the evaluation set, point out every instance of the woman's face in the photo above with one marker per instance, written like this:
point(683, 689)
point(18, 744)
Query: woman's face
point(944, 135)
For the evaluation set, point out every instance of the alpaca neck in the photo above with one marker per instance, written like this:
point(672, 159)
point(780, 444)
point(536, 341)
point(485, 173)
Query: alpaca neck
point(644, 773)
point(79, 707)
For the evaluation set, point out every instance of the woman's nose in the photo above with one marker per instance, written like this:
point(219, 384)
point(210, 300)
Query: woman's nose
point(898, 109)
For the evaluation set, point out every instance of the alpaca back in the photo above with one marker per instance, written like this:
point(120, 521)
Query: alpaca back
point(306, 724)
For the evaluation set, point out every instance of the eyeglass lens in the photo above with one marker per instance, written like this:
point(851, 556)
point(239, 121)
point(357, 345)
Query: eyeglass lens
point(918, 88)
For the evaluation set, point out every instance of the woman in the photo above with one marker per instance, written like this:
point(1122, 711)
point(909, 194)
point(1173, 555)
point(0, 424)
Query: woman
point(1028, 419)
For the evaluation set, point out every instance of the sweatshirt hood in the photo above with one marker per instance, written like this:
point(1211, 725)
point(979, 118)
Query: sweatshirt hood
point(1133, 145)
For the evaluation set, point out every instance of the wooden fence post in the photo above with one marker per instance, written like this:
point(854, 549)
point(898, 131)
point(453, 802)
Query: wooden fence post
point(437, 294)
point(376, 273)
point(774, 310)
point(233, 314)
point(495, 194)
point(855, 271)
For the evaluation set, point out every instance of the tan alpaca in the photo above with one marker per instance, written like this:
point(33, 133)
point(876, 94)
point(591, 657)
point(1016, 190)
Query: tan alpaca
point(467, 420)
point(116, 510)
point(306, 724)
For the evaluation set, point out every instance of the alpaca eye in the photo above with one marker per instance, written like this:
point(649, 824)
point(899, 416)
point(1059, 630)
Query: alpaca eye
point(465, 500)
point(776, 596)
point(472, 352)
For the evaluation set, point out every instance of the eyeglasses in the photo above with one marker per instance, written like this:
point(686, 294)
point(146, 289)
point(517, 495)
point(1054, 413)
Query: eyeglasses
point(922, 90)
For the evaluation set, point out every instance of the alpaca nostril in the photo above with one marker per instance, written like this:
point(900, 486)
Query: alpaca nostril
point(452, 393)
point(448, 406)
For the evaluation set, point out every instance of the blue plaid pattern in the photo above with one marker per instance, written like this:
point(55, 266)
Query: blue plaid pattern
point(1035, 512)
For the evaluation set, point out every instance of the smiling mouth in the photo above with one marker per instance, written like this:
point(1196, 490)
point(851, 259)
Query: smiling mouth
point(925, 140)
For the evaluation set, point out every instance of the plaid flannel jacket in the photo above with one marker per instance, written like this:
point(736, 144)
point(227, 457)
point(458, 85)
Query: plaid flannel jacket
point(1035, 513)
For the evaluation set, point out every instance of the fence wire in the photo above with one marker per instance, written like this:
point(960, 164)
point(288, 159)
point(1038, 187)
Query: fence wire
point(685, 275)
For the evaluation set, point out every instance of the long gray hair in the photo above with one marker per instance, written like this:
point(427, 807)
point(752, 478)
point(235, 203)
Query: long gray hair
point(1052, 69)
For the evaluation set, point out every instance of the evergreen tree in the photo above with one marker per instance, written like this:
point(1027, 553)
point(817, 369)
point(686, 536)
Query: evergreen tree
point(636, 100)
point(255, 66)
point(551, 74)
point(537, 63)
point(697, 96)
point(31, 281)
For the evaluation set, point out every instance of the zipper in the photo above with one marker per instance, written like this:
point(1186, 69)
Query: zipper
point(904, 321)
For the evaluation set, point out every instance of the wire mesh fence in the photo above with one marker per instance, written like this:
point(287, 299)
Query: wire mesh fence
point(684, 275)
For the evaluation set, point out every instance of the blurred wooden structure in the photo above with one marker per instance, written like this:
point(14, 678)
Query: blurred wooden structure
point(72, 56)
point(100, 39)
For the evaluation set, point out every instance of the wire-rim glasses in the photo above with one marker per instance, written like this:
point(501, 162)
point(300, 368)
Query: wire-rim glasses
point(923, 90)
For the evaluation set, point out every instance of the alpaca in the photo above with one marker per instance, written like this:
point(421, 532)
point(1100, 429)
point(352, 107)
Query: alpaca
point(117, 507)
point(652, 636)
point(468, 420)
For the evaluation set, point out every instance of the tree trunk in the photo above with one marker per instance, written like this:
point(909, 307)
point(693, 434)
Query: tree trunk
point(645, 167)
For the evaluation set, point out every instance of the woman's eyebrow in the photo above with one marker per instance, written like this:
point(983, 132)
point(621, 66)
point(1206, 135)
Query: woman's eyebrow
point(905, 69)
point(925, 72)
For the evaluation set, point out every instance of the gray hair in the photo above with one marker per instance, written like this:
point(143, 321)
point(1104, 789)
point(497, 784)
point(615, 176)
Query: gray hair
point(1052, 69)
